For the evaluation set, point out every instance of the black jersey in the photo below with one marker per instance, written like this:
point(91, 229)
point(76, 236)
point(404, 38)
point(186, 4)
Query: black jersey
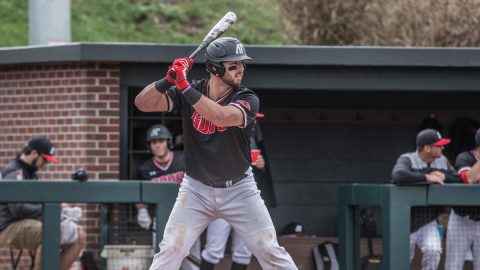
point(463, 164)
point(17, 169)
point(216, 154)
point(10, 212)
point(171, 171)
point(465, 161)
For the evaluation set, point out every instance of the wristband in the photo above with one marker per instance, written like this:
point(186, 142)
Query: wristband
point(162, 85)
point(191, 95)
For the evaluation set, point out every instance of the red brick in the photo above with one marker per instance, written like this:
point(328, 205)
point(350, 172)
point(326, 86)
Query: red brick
point(68, 103)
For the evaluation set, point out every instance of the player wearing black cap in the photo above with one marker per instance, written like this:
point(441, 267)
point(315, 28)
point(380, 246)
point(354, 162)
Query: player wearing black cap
point(465, 221)
point(218, 118)
point(38, 151)
point(426, 165)
point(20, 226)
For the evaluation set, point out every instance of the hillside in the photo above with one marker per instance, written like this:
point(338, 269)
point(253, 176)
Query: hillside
point(156, 21)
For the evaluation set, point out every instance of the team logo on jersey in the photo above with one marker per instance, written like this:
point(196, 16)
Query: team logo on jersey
point(240, 49)
point(203, 125)
point(244, 103)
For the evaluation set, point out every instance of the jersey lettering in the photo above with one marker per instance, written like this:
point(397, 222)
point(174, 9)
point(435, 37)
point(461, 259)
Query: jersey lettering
point(170, 178)
point(204, 126)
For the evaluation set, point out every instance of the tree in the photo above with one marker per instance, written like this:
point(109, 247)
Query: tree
point(443, 23)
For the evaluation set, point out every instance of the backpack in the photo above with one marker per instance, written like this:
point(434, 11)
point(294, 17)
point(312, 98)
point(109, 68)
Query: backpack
point(325, 256)
point(368, 226)
point(88, 261)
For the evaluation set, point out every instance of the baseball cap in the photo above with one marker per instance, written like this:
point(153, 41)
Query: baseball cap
point(431, 137)
point(44, 147)
point(477, 137)
point(294, 229)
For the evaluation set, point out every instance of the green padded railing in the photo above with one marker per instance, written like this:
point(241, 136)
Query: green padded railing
point(395, 203)
point(52, 193)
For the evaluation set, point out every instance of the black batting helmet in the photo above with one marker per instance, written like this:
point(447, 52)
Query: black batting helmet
point(224, 49)
point(157, 132)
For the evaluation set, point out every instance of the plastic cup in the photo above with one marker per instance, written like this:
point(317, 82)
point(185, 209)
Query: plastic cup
point(255, 153)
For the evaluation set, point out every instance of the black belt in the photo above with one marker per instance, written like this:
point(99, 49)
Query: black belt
point(227, 183)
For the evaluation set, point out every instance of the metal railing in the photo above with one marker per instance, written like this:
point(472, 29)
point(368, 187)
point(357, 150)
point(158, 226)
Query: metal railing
point(395, 203)
point(52, 193)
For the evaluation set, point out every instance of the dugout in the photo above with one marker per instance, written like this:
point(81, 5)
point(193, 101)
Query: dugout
point(334, 115)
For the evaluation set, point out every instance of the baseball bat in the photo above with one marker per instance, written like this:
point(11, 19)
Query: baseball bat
point(223, 25)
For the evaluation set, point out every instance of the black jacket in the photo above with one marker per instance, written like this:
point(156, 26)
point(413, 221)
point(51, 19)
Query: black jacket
point(10, 212)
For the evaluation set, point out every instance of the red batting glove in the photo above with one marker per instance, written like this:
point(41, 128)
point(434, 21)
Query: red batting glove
point(185, 62)
point(181, 77)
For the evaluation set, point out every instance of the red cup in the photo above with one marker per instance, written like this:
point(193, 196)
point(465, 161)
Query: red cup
point(255, 153)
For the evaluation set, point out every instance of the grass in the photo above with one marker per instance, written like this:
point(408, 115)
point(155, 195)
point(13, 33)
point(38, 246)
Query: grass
point(152, 21)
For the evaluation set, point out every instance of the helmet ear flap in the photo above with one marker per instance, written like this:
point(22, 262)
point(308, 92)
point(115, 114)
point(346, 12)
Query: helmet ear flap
point(216, 69)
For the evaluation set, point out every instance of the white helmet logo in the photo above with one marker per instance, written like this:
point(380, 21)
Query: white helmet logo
point(240, 49)
point(155, 132)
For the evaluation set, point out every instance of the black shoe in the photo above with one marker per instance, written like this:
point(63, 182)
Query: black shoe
point(237, 266)
point(206, 265)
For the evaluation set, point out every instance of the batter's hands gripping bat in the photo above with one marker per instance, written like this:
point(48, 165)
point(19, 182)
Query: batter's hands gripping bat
point(223, 25)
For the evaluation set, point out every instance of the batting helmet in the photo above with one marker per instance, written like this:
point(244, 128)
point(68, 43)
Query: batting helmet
point(158, 132)
point(221, 50)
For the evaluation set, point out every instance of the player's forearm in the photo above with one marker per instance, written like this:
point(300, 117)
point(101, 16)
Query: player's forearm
point(473, 173)
point(220, 116)
point(407, 177)
point(150, 100)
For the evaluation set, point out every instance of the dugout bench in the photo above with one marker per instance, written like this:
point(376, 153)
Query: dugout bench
point(52, 193)
point(395, 203)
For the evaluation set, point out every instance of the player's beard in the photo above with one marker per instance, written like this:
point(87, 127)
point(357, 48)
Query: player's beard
point(233, 81)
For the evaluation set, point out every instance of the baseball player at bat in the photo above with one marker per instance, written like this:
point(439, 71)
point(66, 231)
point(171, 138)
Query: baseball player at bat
point(426, 165)
point(219, 231)
point(464, 222)
point(218, 116)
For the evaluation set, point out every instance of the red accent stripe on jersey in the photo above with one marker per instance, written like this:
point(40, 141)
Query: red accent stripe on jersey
point(236, 105)
point(163, 165)
point(169, 103)
point(220, 99)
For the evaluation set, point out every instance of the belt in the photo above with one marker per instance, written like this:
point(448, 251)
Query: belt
point(227, 183)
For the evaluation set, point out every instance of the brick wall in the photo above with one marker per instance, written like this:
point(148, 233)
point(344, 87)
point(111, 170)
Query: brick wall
point(76, 105)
